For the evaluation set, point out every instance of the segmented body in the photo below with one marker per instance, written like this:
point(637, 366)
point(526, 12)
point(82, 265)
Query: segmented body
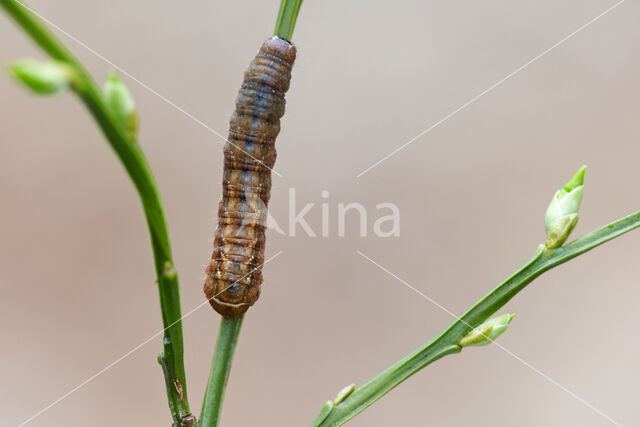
point(234, 274)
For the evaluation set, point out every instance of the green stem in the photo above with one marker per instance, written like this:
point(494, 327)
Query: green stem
point(446, 343)
point(133, 160)
point(220, 368)
point(287, 17)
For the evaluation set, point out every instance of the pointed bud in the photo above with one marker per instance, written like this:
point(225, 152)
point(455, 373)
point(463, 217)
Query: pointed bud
point(562, 214)
point(488, 331)
point(121, 103)
point(324, 413)
point(43, 77)
point(344, 393)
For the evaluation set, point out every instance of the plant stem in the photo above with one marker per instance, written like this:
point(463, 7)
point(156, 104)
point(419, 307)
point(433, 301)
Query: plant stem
point(133, 160)
point(220, 368)
point(446, 342)
point(287, 17)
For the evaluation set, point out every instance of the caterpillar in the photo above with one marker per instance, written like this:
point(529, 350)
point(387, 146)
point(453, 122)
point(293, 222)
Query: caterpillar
point(234, 274)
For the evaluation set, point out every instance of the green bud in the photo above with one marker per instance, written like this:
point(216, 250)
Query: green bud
point(344, 393)
point(324, 413)
point(169, 271)
point(43, 77)
point(562, 214)
point(121, 103)
point(488, 331)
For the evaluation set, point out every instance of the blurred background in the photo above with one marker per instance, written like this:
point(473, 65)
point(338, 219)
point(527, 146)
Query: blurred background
point(76, 278)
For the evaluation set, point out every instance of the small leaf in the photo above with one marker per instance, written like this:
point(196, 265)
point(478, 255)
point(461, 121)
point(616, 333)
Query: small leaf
point(576, 181)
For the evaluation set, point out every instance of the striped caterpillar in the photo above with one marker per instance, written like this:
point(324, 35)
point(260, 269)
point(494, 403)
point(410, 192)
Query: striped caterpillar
point(234, 274)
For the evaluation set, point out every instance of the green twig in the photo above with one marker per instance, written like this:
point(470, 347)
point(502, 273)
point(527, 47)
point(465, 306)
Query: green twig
point(220, 368)
point(133, 160)
point(287, 17)
point(446, 342)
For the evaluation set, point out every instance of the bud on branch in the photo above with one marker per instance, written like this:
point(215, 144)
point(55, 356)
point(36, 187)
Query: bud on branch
point(562, 214)
point(121, 103)
point(488, 331)
point(43, 77)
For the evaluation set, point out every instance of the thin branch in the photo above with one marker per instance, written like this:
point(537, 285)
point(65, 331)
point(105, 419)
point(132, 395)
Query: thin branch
point(220, 368)
point(133, 160)
point(447, 342)
point(287, 17)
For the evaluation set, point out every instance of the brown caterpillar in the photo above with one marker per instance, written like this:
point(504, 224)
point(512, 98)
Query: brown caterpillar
point(234, 274)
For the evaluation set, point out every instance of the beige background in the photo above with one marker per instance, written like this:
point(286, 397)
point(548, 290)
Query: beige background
point(76, 270)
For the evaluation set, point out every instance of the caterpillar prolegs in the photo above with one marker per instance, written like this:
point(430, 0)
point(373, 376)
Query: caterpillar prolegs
point(234, 274)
